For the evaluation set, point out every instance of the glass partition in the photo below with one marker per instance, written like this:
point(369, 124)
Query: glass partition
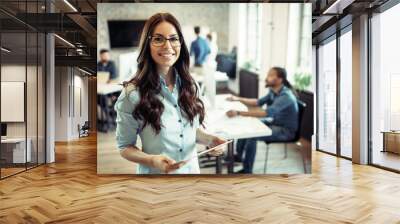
point(327, 97)
point(13, 88)
point(385, 89)
point(346, 94)
point(22, 90)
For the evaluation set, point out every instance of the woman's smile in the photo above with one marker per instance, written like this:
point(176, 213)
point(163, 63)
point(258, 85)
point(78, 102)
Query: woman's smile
point(167, 55)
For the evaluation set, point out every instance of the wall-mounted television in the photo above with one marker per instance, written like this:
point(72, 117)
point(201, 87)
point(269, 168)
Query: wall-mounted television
point(125, 33)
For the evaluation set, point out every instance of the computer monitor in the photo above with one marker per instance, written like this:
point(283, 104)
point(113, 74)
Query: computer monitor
point(3, 129)
point(103, 77)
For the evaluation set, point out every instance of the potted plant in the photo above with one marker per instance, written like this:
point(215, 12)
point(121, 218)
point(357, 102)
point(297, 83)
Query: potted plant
point(302, 81)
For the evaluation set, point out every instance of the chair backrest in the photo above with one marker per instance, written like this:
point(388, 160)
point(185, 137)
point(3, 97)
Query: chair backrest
point(248, 78)
point(226, 64)
point(301, 105)
point(86, 125)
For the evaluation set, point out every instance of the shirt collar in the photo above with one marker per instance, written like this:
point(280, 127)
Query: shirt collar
point(283, 89)
point(177, 79)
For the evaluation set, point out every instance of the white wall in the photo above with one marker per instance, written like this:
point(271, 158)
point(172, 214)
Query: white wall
point(233, 25)
point(275, 39)
point(80, 103)
point(234, 40)
point(61, 103)
point(69, 85)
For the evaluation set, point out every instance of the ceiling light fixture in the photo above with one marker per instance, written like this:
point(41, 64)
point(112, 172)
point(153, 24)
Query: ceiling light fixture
point(5, 50)
point(86, 72)
point(70, 5)
point(64, 40)
point(337, 7)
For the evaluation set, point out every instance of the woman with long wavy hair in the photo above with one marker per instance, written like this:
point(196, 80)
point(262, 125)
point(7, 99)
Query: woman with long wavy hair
point(161, 104)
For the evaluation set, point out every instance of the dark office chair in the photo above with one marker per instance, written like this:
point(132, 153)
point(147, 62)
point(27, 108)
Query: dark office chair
point(302, 107)
point(84, 130)
point(227, 64)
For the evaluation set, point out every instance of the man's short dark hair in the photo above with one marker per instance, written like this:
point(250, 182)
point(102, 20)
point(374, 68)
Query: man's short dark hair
point(197, 30)
point(102, 51)
point(209, 36)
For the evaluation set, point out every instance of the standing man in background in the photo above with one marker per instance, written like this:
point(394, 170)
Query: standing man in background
point(199, 48)
point(211, 59)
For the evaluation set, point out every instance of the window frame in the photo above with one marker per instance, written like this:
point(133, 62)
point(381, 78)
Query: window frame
point(379, 10)
point(334, 37)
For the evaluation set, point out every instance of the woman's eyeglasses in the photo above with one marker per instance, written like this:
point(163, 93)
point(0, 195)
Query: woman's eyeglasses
point(159, 41)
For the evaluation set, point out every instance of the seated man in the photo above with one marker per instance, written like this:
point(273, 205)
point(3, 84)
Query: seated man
point(281, 115)
point(107, 65)
point(106, 102)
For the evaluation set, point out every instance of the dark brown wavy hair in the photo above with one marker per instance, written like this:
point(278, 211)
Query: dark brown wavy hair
point(147, 79)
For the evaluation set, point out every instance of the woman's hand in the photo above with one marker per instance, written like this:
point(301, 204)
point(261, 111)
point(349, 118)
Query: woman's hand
point(232, 113)
point(164, 163)
point(215, 141)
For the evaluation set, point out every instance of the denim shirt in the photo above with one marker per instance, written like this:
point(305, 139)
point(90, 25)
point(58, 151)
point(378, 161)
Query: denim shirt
point(109, 67)
point(282, 108)
point(177, 137)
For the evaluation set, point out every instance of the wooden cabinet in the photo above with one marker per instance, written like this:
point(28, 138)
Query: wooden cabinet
point(391, 141)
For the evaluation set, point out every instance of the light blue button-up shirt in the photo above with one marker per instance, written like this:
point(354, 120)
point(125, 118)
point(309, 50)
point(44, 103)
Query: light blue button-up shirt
point(177, 137)
point(200, 49)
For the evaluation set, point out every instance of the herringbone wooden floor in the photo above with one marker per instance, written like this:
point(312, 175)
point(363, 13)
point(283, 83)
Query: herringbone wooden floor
point(70, 191)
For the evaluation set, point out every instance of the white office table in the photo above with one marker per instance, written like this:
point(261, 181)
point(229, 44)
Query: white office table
point(19, 155)
point(105, 89)
point(239, 127)
point(219, 77)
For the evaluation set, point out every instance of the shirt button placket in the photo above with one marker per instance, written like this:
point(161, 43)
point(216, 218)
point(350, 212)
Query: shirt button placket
point(181, 134)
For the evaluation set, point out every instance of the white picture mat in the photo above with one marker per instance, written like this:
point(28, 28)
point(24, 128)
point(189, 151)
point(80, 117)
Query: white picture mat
point(12, 101)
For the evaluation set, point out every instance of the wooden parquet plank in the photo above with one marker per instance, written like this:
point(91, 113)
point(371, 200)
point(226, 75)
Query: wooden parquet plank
point(70, 191)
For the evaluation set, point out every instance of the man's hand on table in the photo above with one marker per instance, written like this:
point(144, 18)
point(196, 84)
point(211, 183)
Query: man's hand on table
point(232, 113)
